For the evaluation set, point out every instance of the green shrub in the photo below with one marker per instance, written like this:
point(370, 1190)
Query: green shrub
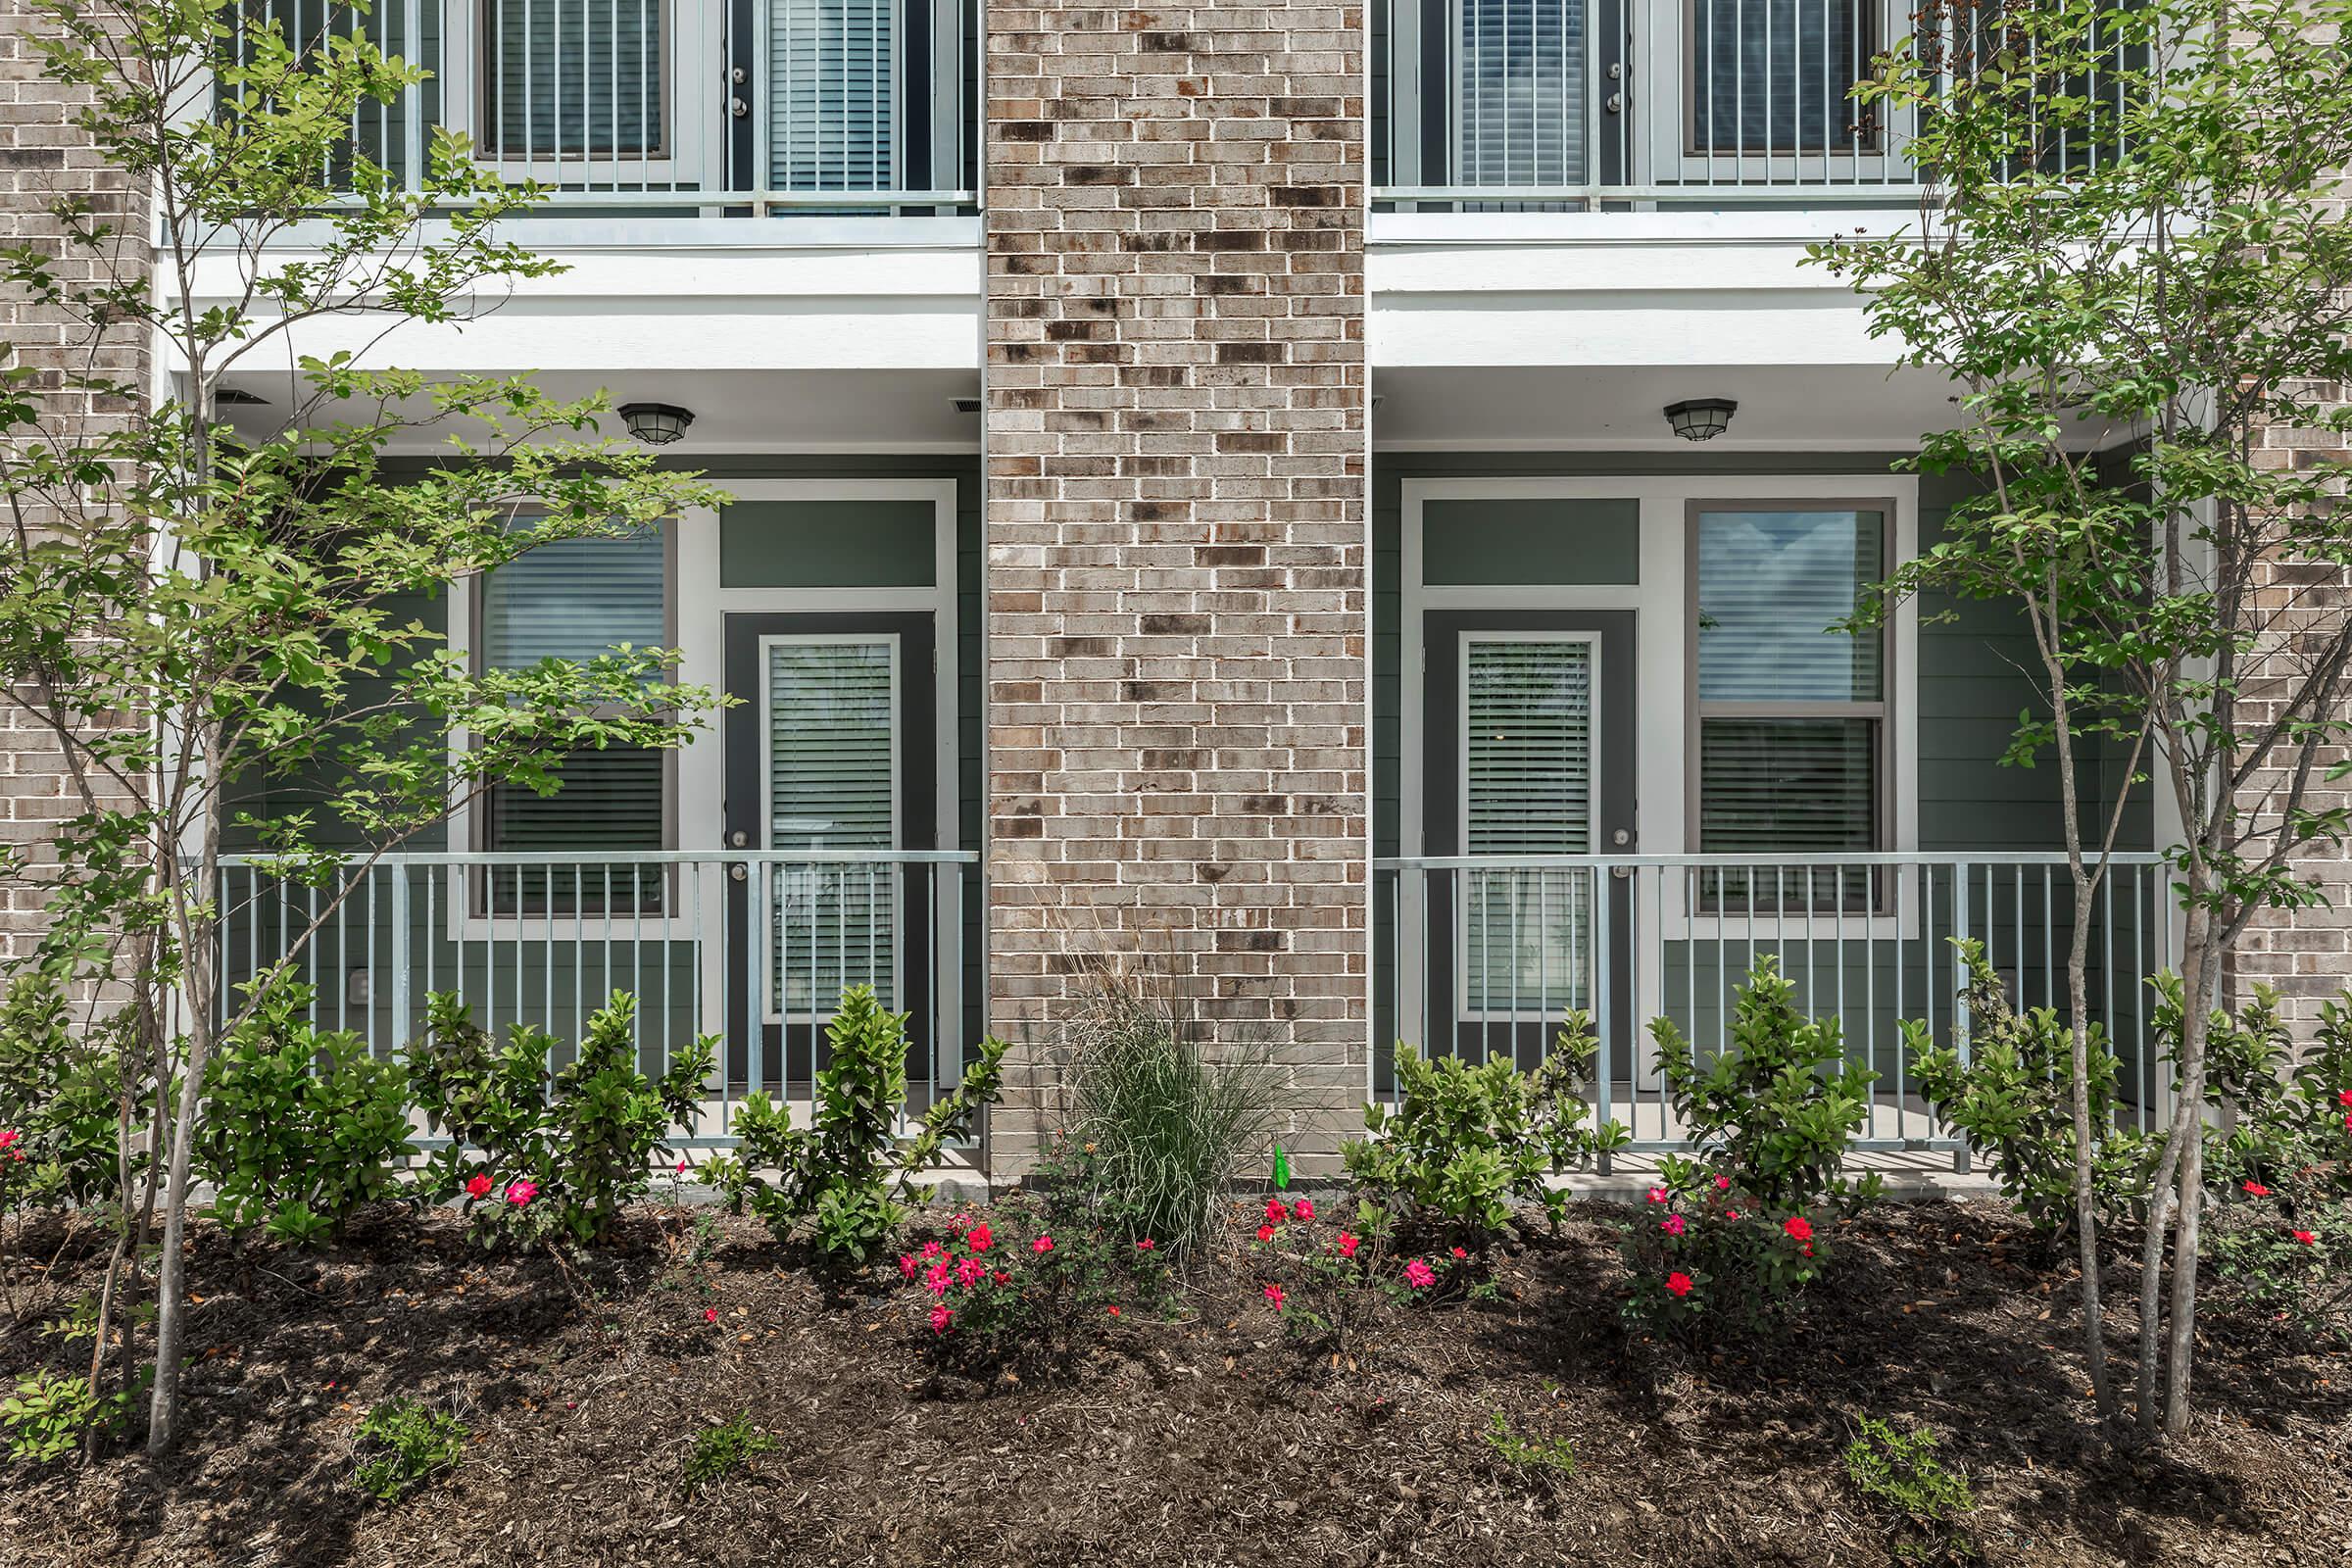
point(1556, 1455)
point(1327, 1276)
point(538, 1153)
point(1901, 1477)
point(401, 1444)
point(2277, 1235)
point(2007, 1089)
point(60, 1095)
point(847, 1174)
point(720, 1449)
point(301, 1127)
point(1463, 1143)
point(52, 1414)
point(1728, 1237)
point(1170, 1122)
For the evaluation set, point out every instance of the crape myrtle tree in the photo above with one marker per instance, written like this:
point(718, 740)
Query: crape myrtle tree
point(188, 612)
point(2132, 260)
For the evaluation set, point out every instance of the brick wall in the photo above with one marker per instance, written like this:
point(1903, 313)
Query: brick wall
point(2305, 954)
point(1176, 522)
point(42, 156)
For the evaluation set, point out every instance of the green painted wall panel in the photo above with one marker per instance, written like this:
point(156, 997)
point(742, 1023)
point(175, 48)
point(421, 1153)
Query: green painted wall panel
point(1554, 540)
point(826, 544)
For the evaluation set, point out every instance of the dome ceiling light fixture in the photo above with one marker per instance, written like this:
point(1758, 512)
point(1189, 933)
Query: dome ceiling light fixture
point(1700, 419)
point(656, 424)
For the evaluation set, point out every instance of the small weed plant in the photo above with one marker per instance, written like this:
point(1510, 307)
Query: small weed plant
point(1922, 1498)
point(401, 1444)
point(55, 1415)
point(1553, 1455)
point(719, 1452)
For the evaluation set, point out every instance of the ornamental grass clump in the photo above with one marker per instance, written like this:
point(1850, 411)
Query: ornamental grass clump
point(1170, 1120)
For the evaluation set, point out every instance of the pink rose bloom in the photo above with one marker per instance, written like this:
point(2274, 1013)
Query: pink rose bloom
point(1723, 1184)
point(1275, 1212)
point(1274, 1294)
point(1348, 1244)
point(1459, 1256)
point(1145, 1244)
point(981, 1238)
point(2343, 1097)
point(8, 1136)
point(480, 1186)
point(1419, 1275)
point(1265, 1233)
point(930, 1249)
point(1041, 1245)
point(1671, 1225)
point(521, 1192)
point(681, 1167)
point(1657, 1195)
point(906, 1266)
point(2307, 1238)
point(970, 1272)
point(940, 1318)
point(935, 1279)
point(1304, 1209)
point(709, 1315)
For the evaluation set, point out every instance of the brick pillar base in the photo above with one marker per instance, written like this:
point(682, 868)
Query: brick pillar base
point(1177, 611)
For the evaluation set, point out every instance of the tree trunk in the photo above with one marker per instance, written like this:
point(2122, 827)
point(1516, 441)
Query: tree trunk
point(2185, 1130)
point(199, 987)
point(2087, 1215)
point(2180, 1354)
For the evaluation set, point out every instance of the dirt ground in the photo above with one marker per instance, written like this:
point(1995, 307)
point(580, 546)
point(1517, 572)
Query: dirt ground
point(1204, 1440)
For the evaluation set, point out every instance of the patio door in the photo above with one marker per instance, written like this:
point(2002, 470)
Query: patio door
point(829, 762)
point(1529, 719)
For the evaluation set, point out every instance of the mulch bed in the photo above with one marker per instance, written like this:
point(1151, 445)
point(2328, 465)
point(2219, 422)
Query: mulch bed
point(1207, 1440)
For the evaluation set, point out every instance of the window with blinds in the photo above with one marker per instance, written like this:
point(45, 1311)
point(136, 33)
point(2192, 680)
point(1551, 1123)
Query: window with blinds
point(1528, 728)
point(830, 706)
point(1773, 76)
point(572, 79)
point(1519, 92)
point(834, 84)
point(573, 600)
point(1791, 711)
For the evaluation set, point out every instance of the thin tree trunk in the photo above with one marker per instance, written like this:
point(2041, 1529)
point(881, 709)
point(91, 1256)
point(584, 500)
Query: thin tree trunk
point(198, 987)
point(2185, 1129)
point(2087, 1214)
point(2180, 1354)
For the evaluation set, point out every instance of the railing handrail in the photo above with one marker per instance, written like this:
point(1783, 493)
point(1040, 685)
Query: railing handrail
point(1885, 858)
point(501, 860)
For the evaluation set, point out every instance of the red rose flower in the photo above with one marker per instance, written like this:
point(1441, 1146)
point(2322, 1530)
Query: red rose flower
point(1799, 1228)
point(1678, 1283)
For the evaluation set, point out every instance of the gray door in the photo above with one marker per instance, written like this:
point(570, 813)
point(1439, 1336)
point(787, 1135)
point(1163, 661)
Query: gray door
point(1529, 753)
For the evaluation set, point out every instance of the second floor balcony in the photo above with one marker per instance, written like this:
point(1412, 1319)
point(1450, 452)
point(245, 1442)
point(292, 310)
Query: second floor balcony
point(1587, 104)
point(750, 108)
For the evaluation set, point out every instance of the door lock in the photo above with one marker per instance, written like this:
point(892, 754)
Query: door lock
point(738, 839)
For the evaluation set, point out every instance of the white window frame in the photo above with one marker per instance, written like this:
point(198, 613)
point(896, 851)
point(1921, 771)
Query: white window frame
point(770, 1004)
point(693, 107)
point(1591, 642)
point(1661, 655)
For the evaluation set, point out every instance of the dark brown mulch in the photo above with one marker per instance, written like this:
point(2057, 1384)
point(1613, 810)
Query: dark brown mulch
point(1202, 1442)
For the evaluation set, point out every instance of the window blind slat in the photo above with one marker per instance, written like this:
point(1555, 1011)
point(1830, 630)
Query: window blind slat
point(1520, 83)
point(1527, 745)
point(832, 723)
point(833, 71)
point(572, 79)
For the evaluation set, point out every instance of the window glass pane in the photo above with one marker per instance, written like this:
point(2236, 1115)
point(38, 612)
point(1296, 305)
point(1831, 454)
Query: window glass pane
point(1805, 787)
point(832, 717)
point(610, 800)
point(576, 77)
point(1520, 72)
point(1770, 586)
point(1528, 728)
point(575, 599)
point(1771, 76)
point(832, 82)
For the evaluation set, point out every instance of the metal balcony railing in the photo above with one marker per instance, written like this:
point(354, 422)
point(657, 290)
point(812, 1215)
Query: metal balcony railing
point(1534, 105)
point(1482, 957)
point(753, 946)
point(711, 107)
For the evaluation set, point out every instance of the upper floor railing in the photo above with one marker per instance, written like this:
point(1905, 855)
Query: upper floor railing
point(1534, 105)
point(713, 107)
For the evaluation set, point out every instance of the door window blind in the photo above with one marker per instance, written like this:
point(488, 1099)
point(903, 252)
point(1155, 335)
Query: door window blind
point(832, 775)
point(1773, 76)
point(1519, 83)
point(1528, 774)
point(578, 78)
point(834, 88)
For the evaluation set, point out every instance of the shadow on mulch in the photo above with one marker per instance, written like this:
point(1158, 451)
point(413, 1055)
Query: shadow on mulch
point(1206, 1440)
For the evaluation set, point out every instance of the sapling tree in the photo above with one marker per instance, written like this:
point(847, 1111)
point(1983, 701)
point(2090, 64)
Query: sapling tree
point(187, 611)
point(2132, 261)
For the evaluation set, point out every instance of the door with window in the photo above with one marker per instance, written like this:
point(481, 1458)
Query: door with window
point(831, 767)
point(1529, 719)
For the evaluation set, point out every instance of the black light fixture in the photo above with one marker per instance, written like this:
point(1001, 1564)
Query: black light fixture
point(1700, 419)
point(656, 424)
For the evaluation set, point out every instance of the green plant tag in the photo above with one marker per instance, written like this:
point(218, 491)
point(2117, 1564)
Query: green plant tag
point(1282, 1168)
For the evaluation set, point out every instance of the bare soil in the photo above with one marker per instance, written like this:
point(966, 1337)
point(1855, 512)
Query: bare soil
point(1204, 1440)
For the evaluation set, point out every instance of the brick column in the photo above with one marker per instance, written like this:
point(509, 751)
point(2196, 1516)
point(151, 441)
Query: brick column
point(1176, 525)
point(44, 156)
